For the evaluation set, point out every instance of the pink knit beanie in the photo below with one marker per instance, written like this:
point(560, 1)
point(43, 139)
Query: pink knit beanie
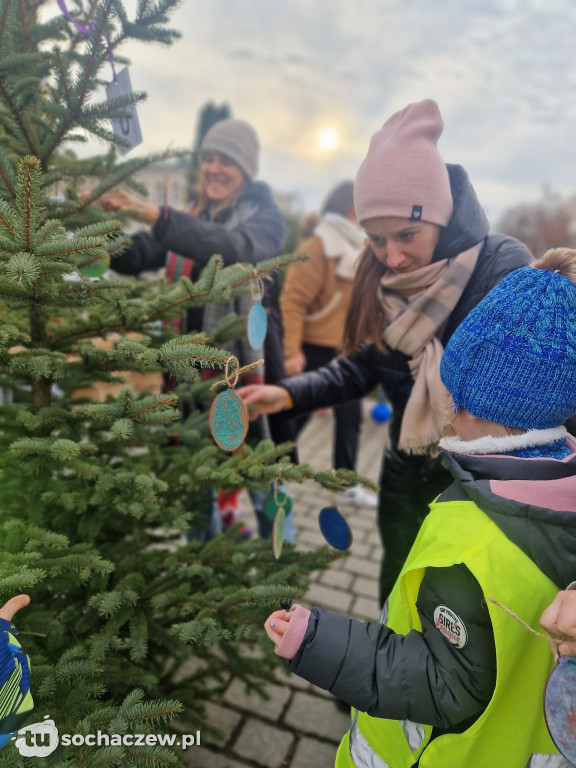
point(403, 173)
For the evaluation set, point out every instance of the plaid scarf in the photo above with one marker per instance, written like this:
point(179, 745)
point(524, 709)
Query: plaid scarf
point(416, 307)
point(178, 266)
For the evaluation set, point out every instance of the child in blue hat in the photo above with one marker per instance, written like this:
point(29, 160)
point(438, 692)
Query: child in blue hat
point(448, 678)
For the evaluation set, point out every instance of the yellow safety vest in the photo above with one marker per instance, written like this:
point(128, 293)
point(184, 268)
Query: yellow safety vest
point(511, 732)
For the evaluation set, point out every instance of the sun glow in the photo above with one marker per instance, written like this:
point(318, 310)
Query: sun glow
point(327, 139)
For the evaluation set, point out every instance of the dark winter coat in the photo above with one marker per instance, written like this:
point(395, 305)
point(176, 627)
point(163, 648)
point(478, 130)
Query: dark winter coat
point(421, 676)
point(348, 378)
point(259, 237)
point(410, 482)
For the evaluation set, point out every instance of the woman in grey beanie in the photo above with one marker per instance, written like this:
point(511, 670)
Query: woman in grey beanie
point(236, 217)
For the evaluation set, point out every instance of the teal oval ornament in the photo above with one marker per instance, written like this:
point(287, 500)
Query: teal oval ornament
point(278, 532)
point(272, 504)
point(257, 326)
point(228, 420)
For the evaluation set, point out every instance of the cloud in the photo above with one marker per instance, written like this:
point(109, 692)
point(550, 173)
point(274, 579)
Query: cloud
point(502, 71)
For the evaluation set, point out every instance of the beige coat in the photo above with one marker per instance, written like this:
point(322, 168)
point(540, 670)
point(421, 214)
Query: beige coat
point(314, 301)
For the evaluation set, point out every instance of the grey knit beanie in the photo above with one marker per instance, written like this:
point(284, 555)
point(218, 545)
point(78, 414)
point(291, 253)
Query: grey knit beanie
point(238, 140)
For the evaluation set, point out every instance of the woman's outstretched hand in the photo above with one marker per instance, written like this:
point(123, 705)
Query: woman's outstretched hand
point(264, 398)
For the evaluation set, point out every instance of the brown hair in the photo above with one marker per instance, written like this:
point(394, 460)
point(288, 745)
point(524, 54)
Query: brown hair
point(340, 199)
point(365, 316)
point(562, 260)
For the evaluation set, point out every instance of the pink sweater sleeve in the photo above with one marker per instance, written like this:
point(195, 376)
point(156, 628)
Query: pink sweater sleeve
point(292, 638)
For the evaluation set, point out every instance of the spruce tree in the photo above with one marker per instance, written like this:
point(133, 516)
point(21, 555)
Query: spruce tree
point(129, 625)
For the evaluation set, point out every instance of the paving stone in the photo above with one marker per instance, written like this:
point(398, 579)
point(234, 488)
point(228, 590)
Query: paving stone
point(365, 587)
point(317, 716)
point(312, 538)
point(337, 579)
point(198, 757)
point(311, 752)
point(366, 609)
point(223, 718)
point(270, 708)
point(360, 550)
point(367, 568)
point(264, 744)
point(332, 599)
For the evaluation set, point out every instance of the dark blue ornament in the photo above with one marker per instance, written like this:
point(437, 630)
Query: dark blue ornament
point(334, 528)
point(257, 326)
point(560, 706)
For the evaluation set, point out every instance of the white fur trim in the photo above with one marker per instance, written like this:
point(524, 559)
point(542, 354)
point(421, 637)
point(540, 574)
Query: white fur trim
point(505, 444)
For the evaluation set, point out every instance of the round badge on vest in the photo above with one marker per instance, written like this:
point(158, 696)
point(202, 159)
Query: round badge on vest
point(451, 626)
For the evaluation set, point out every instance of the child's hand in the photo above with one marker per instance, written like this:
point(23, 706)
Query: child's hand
point(13, 606)
point(276, 624)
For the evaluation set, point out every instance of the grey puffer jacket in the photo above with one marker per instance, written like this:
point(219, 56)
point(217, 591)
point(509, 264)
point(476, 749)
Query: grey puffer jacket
point(350, 378)
point(421, 676)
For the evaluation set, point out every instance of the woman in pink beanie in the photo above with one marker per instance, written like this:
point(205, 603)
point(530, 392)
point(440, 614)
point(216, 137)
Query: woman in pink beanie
point(428, 261)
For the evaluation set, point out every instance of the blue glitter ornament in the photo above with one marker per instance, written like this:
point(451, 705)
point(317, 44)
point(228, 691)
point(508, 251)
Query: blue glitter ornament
point(228, 420)
point(560, 706)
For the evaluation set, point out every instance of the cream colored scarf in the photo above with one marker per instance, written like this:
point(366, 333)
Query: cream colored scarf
point(416, 307)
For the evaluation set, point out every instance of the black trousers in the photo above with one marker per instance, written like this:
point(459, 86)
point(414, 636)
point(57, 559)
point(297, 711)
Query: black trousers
point(348, 415)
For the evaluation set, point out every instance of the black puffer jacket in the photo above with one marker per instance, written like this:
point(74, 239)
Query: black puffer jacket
point(259, 237)
point(422, 676)
point(409, 482)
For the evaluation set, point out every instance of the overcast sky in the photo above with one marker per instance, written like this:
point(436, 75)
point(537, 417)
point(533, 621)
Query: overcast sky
point(502, 71)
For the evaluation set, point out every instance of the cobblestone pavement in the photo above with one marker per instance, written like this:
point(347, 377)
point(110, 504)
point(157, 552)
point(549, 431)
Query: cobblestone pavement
point(300, 726)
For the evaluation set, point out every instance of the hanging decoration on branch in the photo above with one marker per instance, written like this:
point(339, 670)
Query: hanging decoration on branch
point(333, 526)
point(228, 415)
point(560, 706)
point(257, 319)
point(281, 503)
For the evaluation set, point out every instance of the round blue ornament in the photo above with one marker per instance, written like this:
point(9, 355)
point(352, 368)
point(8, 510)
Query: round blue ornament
point(257, 326)
point(334, 528)
point(228, 420)
point(381, 413)
point(560, 706)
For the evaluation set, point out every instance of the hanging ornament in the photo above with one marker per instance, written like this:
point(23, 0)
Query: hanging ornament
point(257, 318)
point(333, 526)
point(560, 706)
point(94, 266)
point(275, 501)
point(278, 532)
point(381, 412)
point(228, 415)
point(277, 506)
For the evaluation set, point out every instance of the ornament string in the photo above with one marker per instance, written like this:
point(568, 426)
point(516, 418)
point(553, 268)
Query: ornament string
point(556, 638)
point(231, 380)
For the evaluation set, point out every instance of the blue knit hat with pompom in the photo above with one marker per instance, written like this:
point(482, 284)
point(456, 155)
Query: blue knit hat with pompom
point(513, 358)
